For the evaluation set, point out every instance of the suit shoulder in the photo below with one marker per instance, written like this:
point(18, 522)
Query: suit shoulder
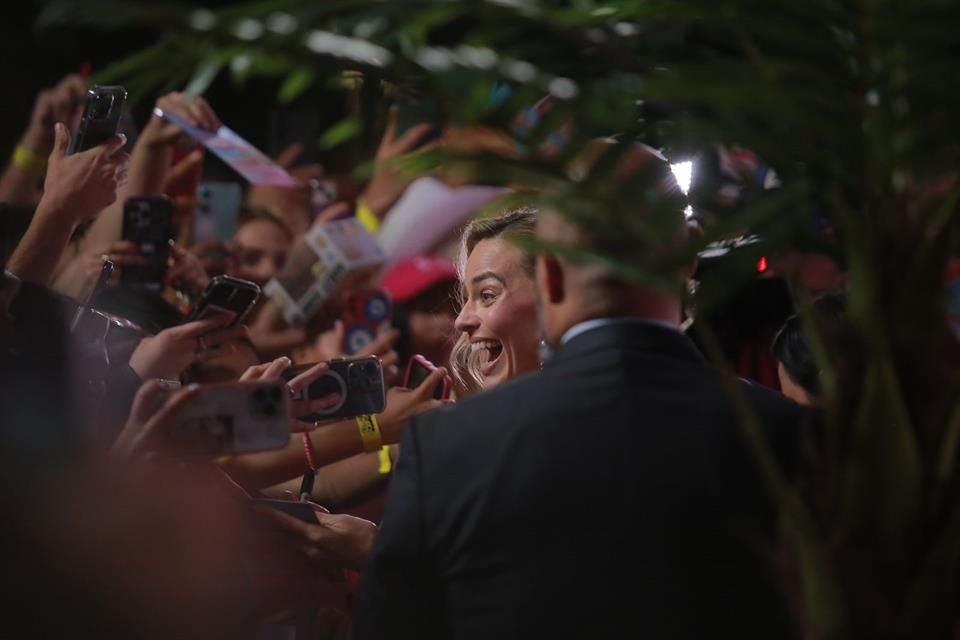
point(475, 419)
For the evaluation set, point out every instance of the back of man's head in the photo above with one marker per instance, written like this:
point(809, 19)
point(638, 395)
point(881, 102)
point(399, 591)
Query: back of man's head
point(616, 253)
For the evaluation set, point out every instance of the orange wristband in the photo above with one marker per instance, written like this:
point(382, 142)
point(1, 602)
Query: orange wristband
point(308, 451)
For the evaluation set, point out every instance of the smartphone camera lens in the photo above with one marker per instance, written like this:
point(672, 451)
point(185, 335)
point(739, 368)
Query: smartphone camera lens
point(266, 402)
point(100, 108)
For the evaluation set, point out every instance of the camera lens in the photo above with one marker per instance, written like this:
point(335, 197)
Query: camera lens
point(101, 107)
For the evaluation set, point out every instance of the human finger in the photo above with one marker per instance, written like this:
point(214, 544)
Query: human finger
point(112, 146)
point(275, 368)
point(382, 344)
point(412, 138)
point(289, 156)
point(184, 167)
point(204, 114)
point(312, 374)
point(425, 390)
point(317, 405)
point(222, 337)
point(196, 328)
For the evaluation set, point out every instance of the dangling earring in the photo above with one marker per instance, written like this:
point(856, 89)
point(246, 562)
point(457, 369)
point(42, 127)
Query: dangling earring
point(544, 353)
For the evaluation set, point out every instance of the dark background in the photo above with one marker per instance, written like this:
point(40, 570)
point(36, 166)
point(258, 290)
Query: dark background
point(33, 60)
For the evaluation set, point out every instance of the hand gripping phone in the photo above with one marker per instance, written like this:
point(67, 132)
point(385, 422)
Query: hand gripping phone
point(419, 370)
point(148, 223)
point(228, 295)
point(236, 417)
point(300, 510)
point(358, 381)
point(101, 117)
point(366, 314)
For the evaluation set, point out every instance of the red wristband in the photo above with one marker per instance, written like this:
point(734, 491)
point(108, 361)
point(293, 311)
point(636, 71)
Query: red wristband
point(308, 451)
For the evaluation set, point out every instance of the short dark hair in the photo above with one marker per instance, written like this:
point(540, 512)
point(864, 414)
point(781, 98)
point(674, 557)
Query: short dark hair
point(790, 346)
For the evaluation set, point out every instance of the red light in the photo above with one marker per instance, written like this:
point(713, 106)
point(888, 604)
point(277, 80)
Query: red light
point(762, 265)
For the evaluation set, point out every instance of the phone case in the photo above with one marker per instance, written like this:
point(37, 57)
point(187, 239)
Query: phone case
point(148, 223)
point(359, 381)
point(226, 295)
point(300, 510)
point(234, 418)
point(366, 314)
point(411, 380)
point(218, 206)
point(101, 117)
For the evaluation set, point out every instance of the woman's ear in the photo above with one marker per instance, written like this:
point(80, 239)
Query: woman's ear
point(550, 281)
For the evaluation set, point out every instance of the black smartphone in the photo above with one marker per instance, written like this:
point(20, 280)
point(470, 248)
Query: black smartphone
point(299, 510)
point(358, 381)
point(101, 117)
point(148, 223)
point(228, 295)
point(414, 108)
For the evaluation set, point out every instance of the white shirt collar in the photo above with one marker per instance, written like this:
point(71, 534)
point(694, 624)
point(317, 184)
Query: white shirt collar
point(590, 325)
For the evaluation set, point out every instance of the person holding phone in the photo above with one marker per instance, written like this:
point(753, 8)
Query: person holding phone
point(60, 103)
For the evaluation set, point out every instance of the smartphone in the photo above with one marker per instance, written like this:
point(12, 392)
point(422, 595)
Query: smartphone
point(358, 381)
point(228, 295)
point(419, 370)
point(366, 314)
point(299, 510)
point(236, 417)
point(148, 223)
point(289, 126)
point(218, 206)
point(101, 117)
point(413, 108)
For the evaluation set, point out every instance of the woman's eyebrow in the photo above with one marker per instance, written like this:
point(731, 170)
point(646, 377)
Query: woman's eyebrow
point(485, 275)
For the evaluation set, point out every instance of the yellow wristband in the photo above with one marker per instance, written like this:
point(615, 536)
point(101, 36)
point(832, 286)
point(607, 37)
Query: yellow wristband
point(367, 218)
point(27, 159)
point(386, 464)
point(370, 433)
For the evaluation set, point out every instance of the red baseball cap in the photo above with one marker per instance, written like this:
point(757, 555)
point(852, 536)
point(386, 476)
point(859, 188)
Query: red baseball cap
point(412, 277)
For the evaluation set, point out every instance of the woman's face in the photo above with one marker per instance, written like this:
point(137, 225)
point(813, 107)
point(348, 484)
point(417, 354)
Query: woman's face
point(263, 250)
point(499, 315)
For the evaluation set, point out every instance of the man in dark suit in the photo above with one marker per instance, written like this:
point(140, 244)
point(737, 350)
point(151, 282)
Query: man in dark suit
point(610, 495)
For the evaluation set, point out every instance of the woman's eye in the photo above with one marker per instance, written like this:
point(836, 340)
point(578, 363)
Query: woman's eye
point(487, 296)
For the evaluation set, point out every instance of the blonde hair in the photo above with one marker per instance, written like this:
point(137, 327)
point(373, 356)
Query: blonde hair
point(515, 222)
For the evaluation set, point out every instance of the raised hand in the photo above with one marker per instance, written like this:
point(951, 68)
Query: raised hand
point(386, 185)
point(403, 404)
point(299, 407)
point(80, 185)
point(170, 352)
